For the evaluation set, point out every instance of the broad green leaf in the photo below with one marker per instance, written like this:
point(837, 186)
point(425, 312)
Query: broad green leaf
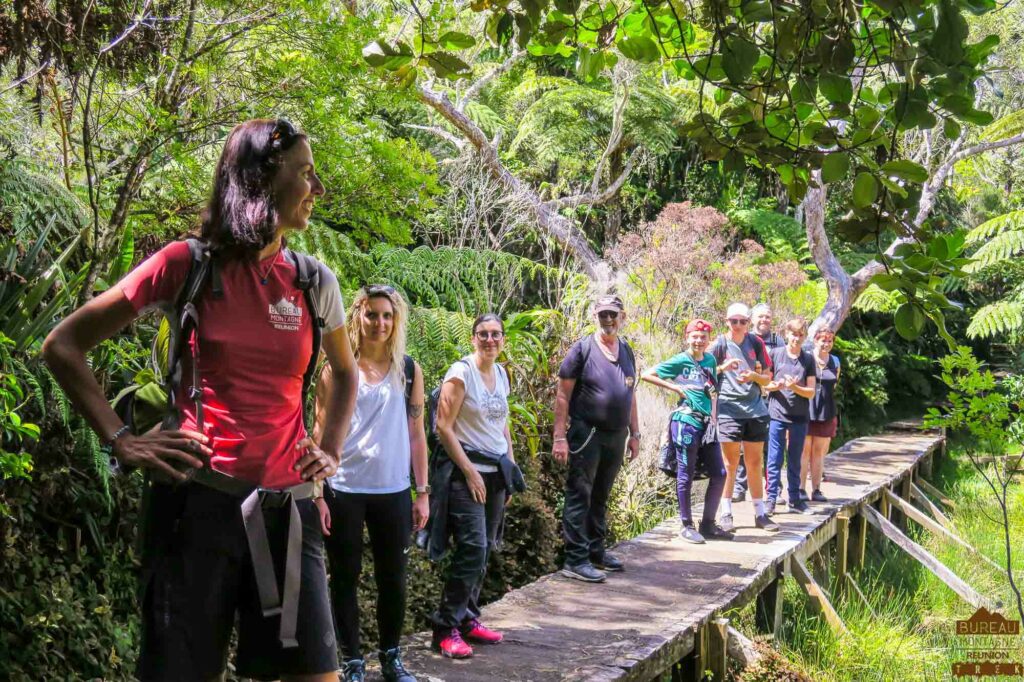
point(909, 320)
point(906, 169)
point(835, 166)
point(865, 190)
point(453, 40)
point(738, 59)
point(447, 65)
point(639, 49)
point(379, 54)
point(837, 89)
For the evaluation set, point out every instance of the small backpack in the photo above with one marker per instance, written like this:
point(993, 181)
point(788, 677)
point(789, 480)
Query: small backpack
point(150, 402)
point(434, 446)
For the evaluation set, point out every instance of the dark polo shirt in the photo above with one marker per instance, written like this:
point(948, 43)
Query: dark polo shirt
point(603, 395)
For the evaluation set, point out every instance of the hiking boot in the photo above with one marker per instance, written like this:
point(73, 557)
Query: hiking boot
point(712, 531)
point(726, 522)
point(450, 643)
point(475, 631)
point(764, 523)
point(799, 507)
point(802, 494)
point(585, 572)
point(391, 666)
point(739, 497)
point(354, 670)
point(690, 534)
point(609, 563)
point(769, 508)
point(816, 496)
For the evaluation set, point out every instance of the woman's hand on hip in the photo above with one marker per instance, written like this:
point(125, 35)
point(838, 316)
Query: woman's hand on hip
point(315, 465)
point(475, 482)
point(161, 450)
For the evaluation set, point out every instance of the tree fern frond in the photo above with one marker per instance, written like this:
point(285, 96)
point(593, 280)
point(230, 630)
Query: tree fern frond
point(998, 249)
point(488, 119)
point(1004, 127)
point(996, 319)
point(877, 300)
point(1014, 220)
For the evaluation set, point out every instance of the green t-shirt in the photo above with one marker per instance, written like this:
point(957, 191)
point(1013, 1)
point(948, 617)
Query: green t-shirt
point(696, 381)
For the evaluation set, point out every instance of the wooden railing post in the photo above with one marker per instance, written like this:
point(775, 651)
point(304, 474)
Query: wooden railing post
point(768, 608)
point(842, 548)
point(859, 546)
point(718, 648)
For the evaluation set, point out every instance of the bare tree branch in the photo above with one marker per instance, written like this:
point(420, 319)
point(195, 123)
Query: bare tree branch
point(594, 198)
point(556, 226)
point(457, 141)
point(473, 91)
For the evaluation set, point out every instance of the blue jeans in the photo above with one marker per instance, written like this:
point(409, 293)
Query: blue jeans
point(778, 447)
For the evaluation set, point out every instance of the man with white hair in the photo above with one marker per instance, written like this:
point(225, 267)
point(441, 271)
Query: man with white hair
point(761, 319)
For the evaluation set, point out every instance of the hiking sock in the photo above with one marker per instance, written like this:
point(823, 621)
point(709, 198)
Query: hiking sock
point(758, 506)
point(725, 506)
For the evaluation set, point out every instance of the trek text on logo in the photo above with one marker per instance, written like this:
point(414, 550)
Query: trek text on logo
point(285, 314)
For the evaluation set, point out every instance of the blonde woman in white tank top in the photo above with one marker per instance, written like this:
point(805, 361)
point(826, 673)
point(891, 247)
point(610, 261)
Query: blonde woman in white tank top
point(371, 487)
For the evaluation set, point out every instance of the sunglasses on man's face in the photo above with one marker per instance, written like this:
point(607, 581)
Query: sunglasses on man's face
point(739, 321)
point(484, 334)
point(608, 315)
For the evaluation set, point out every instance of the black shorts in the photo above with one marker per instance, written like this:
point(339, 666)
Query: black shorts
point(751, 430)
point(198, 574)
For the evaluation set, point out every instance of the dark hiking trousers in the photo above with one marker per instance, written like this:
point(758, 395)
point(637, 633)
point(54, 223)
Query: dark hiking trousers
point(474, 527)
point(388, 520)
point(595, 458)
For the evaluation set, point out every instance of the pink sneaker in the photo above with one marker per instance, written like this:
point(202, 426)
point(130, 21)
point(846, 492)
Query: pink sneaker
point(451, 644)
point(475, 631)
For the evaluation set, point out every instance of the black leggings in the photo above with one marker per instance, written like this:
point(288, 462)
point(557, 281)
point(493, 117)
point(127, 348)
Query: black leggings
point(388, 519)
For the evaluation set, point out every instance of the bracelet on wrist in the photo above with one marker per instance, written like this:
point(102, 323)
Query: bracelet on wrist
point(561, 439)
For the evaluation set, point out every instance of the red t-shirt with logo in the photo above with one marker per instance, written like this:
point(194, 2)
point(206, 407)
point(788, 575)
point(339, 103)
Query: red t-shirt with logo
point(254, 345)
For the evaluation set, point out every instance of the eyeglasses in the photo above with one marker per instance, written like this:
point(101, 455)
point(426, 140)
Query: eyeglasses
point(484, 334)
point(608, 315)
point(739, 321)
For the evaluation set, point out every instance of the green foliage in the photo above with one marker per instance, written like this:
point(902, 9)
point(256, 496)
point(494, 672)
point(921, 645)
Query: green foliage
point(1000, 240)
point(14, 430)
point(782, 237)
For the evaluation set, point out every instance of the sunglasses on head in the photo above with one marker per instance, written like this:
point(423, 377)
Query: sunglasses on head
point(380, 289)
point(283, 132)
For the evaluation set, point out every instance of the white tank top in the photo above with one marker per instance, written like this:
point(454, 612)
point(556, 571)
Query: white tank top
point(481, 421)
point(376, 457)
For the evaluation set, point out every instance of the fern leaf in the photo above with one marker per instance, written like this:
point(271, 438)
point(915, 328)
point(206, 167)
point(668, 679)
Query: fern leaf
point(1004, 127)
point(999, 248)
point(996, 319)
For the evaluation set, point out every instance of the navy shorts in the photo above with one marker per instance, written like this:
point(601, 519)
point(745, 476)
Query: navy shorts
point(198, 575)
point(751, 430)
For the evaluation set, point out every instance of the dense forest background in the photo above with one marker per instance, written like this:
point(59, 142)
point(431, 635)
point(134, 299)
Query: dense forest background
point(114, 112)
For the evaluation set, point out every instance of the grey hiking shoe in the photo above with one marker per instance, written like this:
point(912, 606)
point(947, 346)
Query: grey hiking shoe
point(799, 507)
point(354, 670)
point(585, 572)
point(726, 522)
point(712, 531)
point(816, 496)
point(764, 523)
point(690, 534)
point(391, 667)
point(609, 563)
point(769, 508)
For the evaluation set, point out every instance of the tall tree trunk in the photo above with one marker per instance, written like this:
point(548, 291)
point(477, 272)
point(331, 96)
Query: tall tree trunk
point(613, 223)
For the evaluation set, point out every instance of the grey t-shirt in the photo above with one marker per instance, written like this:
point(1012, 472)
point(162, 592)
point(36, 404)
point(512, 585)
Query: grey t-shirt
point(786, 406)
point(737, 399)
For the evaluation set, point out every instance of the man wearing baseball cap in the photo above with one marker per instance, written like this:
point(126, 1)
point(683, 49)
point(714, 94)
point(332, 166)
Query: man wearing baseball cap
point(742, 412)
point(595, 422)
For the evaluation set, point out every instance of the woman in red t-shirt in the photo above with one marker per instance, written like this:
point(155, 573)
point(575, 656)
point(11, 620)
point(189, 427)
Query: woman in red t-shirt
point(232, 483)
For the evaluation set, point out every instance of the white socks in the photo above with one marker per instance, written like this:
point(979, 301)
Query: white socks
point(758, 506)
point(725, 506)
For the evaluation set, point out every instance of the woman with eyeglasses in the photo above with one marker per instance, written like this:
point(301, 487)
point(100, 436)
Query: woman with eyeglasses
point(230, 476)
point(371, 486)
point(824, 419)
point(471, 484)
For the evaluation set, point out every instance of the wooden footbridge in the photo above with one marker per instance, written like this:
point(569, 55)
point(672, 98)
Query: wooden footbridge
point(664, 608)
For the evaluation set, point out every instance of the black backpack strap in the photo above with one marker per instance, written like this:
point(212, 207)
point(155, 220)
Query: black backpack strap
point(409, 368)
point(307, 280)
point(187, 319)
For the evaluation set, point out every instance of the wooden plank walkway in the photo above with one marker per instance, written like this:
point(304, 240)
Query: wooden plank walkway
point(642, 621)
